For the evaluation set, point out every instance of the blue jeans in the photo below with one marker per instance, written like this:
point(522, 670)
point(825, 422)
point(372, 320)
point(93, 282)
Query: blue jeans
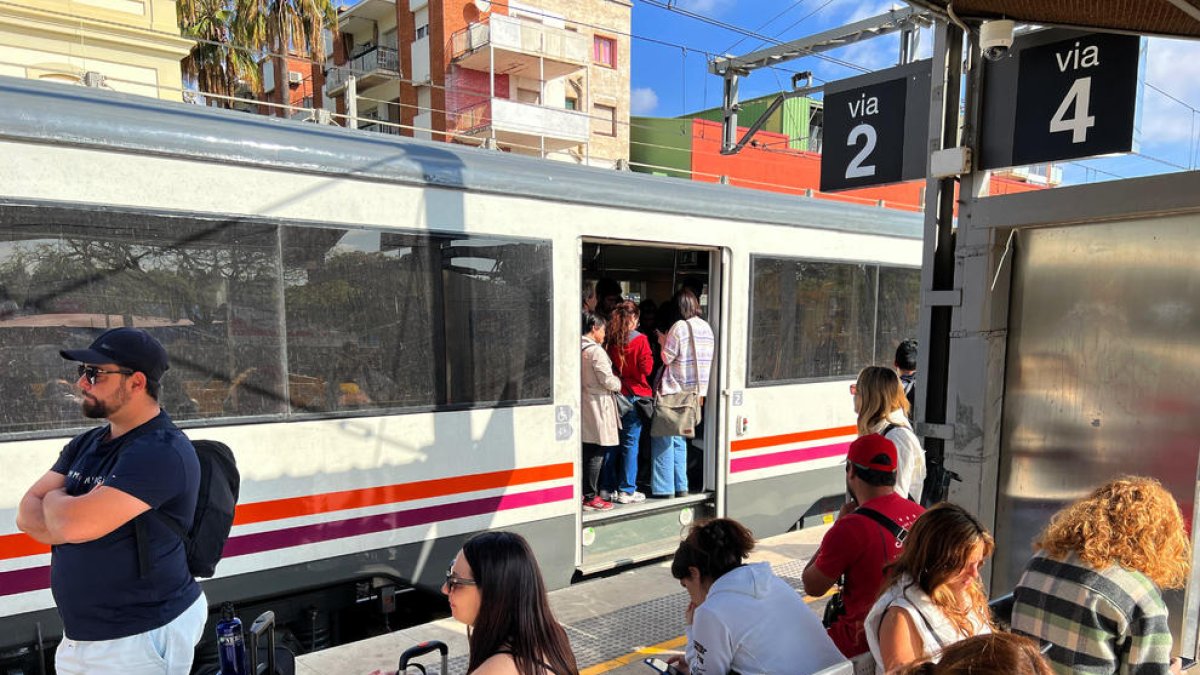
point(668, 455)
point(621, 461)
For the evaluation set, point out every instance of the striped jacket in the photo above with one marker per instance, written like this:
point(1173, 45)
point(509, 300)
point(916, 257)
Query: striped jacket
point(1096, 621)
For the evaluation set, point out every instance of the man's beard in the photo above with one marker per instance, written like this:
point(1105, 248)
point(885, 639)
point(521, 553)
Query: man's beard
point(96, 409)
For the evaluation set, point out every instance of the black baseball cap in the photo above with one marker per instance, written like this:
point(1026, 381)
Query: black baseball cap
point(131, 348)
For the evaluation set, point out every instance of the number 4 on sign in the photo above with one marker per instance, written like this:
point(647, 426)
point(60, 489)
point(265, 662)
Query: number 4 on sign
point(1079, 95)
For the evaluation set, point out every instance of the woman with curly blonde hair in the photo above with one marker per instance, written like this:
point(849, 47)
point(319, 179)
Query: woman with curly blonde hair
point(932, 597)
point(1093, 588)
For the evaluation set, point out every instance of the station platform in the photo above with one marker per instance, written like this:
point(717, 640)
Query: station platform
point(613, 622)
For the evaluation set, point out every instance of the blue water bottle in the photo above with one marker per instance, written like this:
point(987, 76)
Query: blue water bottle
point(231, 642)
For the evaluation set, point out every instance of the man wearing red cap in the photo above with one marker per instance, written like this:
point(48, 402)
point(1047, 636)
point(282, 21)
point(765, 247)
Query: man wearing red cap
point(862, 541)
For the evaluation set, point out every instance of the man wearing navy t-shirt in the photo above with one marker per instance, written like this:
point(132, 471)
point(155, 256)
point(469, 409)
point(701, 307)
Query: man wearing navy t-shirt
point(120, 616)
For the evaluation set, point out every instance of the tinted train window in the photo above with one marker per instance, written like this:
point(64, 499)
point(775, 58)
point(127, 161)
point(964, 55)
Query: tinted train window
point(810, 319)
point(899, 303)
point(207, 289)
point(345, 320)
point(379, 320)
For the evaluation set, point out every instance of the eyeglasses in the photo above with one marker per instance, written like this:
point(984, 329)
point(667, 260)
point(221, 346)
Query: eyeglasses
point(453, 582)
point(853, 389)
point(93, 373)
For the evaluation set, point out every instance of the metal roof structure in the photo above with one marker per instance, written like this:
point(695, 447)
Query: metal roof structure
point(1167, 18)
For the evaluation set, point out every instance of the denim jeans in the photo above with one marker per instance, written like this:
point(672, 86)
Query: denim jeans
point(669, 463)
point(621, 461)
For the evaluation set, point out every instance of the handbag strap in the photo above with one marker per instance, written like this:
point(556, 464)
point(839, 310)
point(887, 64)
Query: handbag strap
point(695, 355)
point(887, 523)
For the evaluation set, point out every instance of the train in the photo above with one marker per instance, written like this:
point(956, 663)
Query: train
point(386, 331)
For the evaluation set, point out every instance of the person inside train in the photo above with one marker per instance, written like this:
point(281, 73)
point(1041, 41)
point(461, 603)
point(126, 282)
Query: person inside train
point(589, 296)
point(933, 597)
point(989, 654)
point(868, 534)
point(1093, 588)
point(905, 364)
point(608, 296)
point(882, 408)
point(495, 588)
point(687, 352)
point(629, 351)
point(740, 616)
point(599, 423)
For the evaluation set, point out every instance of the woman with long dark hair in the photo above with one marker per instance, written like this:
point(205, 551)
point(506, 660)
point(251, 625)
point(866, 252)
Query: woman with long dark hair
point(932, 597)
point(495, 587)
point(629, 351)
point(882, 408)
point(741, 617)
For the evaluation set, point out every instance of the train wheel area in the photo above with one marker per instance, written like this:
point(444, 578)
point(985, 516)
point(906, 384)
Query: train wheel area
point(613, 621)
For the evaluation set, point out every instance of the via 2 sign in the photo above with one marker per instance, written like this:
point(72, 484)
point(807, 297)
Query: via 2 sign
point(875, 128)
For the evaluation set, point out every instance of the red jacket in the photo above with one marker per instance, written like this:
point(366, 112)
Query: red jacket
point(638, 364)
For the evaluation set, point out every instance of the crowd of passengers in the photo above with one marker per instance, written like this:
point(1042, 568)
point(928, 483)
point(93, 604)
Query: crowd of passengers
point(909, 599)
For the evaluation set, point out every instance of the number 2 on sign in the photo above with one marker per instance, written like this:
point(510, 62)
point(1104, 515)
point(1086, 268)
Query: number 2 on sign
point(1079, 94)
point(856, 168)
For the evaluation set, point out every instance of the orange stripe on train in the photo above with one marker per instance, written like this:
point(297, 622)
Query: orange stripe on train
point(800, 437)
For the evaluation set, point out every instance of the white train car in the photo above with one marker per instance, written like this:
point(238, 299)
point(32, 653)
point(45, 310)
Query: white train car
point(386, 332)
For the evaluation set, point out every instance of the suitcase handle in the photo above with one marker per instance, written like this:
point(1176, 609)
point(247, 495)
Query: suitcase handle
point(421, 650)
point(265, 623)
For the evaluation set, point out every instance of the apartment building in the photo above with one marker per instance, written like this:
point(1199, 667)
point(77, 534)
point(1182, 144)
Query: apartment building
point(548, 78)
point(130, 46)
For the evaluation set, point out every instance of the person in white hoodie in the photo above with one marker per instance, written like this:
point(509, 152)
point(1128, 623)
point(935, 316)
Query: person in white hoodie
point(882, 408)
point(741, 617)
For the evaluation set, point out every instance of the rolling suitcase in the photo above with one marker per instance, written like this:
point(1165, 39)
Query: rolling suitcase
point(268, 659)
point(421, 650)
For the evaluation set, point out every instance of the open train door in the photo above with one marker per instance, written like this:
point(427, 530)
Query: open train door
point(649, 275)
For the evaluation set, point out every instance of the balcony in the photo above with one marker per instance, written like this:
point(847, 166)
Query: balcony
point(525, 127)
point(518, 47)
point(372, 67)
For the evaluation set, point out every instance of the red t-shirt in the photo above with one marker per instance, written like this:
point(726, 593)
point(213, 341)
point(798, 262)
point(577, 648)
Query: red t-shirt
point(638, 364)
point(859, 548)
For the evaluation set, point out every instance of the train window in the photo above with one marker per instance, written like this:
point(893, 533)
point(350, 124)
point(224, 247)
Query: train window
point(899, 303)
point(810, 320)
point(206, 289)
point(379, 320)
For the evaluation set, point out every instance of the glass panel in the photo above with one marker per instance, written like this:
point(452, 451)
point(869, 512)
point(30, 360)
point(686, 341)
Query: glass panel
point(206, 289)
point(899, 303)
point(811, 319)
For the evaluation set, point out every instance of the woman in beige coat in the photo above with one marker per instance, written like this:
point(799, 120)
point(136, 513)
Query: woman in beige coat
point(599, 421)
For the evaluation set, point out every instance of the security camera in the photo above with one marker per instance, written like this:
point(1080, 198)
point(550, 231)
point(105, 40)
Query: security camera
point(995, 39)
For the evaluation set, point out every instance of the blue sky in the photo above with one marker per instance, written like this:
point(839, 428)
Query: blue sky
point(666, 81)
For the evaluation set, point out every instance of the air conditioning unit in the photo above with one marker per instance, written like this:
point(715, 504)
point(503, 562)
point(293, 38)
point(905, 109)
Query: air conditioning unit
point(295, 77)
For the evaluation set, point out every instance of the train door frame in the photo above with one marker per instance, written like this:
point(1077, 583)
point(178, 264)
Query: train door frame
point(715, 409)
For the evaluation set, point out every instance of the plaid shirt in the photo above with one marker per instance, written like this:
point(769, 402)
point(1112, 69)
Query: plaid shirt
point(682, 365)
point(1097, 621)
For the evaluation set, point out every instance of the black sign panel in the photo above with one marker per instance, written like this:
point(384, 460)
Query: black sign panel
point(1074, 97)
point(874, 128)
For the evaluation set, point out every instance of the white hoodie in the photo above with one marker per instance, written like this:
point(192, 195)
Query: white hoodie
point(754, 623)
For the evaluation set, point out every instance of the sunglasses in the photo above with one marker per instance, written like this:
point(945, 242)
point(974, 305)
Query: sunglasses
point(453, 582)
point(93, 373)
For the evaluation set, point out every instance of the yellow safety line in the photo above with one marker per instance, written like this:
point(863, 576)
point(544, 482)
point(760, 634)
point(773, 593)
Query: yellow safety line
point(670, 645)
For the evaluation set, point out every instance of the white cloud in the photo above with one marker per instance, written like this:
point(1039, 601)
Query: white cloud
point(1174, 67)
point(868, 10)
point(642, 101)
point(709, 7)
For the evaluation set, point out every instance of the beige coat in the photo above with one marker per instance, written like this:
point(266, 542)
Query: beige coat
point(599, 421)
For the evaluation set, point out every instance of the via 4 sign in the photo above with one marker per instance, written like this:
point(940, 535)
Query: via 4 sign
point(1060, 95)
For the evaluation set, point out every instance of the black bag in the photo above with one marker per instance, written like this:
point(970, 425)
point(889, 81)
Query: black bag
point(645, 408)
point(835, 608)
point(623, 404)
point(204, 540)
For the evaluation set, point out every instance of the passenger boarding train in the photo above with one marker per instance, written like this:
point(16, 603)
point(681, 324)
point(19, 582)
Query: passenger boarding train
point(386, 332)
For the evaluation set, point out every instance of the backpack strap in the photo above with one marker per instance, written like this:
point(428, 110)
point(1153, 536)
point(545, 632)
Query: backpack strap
point(888, 429)
point(886, 523)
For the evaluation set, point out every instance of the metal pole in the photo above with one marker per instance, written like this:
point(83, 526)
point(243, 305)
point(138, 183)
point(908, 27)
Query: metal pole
point(352, 101)
point(730, 108)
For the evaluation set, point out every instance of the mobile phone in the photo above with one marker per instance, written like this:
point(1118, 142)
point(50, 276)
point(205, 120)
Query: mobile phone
point(662, 666)
point(1186, 663)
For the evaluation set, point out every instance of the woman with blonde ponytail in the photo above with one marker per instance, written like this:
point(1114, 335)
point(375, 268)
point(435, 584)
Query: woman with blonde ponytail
point(932, 597)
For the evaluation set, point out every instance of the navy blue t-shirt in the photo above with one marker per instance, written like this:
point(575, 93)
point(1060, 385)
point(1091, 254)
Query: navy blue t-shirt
point(97, 584)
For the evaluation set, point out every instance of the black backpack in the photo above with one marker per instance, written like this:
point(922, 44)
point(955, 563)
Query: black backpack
point(204, 541)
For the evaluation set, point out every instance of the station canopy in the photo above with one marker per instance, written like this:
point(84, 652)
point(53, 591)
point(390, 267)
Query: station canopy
point(1168, 18)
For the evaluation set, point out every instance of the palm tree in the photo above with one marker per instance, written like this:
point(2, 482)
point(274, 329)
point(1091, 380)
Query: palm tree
point(280, 26)
point(217, 63)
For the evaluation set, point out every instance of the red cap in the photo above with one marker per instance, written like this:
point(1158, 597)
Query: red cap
point(873, 452)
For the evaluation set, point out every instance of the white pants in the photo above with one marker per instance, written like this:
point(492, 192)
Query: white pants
point(166, 650)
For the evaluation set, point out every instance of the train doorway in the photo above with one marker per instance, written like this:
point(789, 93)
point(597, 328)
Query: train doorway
point(650, 276)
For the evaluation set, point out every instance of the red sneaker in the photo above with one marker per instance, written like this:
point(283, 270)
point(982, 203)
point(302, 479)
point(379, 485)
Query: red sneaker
point(596, 504)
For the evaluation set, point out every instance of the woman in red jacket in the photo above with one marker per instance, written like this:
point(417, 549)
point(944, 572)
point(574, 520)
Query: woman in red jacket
point(632, 361)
